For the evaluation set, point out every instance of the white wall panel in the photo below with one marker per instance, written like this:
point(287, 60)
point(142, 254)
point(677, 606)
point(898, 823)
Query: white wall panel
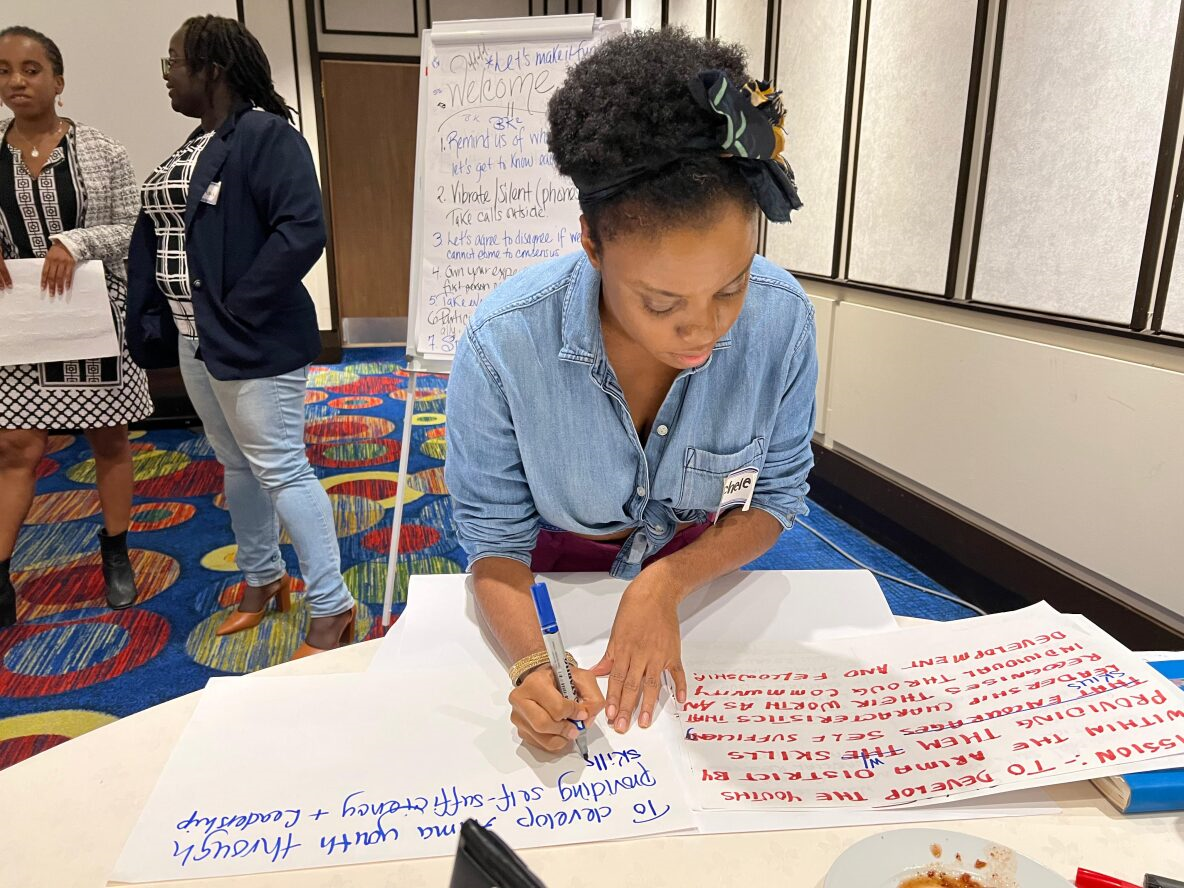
point(1080, 106)
point(112, 53)
point(387, 17)
point(451, 10)
point(646, 14)
point(368, 15)
point(814, 44)
point(744, 22)
point(1078, 453)
point(271, 22)
point(690, 14)
point(612, 9)
point(915, 85)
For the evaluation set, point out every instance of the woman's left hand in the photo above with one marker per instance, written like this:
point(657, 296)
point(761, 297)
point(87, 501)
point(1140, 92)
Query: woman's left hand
point(644, 643)
point(57, 275)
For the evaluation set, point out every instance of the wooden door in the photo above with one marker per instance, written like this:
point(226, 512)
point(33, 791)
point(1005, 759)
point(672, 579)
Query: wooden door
point(370, 119)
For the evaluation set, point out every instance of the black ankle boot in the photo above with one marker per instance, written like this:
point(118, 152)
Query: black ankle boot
point(117, 570)
point(7, 597)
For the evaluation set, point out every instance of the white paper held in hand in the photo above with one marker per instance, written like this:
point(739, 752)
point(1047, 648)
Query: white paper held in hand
point(37, 328)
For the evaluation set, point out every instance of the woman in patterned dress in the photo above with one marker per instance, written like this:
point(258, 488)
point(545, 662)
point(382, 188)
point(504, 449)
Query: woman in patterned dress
point(67, 195)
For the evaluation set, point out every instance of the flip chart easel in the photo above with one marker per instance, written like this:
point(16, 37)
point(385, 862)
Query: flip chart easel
point(488, 200)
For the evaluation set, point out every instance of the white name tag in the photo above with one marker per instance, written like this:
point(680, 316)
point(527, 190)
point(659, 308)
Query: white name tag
point(211, 195)
point(738, 490)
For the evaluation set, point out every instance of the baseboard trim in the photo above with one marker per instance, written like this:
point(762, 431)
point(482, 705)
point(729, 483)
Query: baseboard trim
point(966, 558)
point(374, 331)
point(330, 347)
point(170, 400)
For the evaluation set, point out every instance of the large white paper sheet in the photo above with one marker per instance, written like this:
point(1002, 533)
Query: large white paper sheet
point(761, 608)
point(298, 772)
point(1159, 656)
point(1009, 701)
point(1023, 803)
point(744, 607)
point(36, 327)
point(1171, 761)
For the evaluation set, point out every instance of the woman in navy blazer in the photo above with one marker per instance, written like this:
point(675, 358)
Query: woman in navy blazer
point(231, 223)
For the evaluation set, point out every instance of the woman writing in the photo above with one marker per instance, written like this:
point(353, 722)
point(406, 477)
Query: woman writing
point(231, 224)
point(605, 407)
point(67, 195)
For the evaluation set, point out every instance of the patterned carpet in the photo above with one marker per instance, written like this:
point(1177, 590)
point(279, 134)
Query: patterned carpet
point(71, 665)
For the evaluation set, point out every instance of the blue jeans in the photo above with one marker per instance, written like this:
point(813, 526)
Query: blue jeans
point(256, 427)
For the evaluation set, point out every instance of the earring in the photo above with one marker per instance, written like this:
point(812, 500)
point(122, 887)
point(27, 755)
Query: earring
point(59, 100)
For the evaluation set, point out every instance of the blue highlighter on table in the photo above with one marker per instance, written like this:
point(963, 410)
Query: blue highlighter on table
point(556, 651)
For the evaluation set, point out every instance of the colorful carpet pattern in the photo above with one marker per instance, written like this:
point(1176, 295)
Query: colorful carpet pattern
point(71, 665)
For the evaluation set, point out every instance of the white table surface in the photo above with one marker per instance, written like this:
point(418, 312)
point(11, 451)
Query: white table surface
point(66, 813)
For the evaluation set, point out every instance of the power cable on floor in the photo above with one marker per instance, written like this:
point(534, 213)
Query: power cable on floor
point(947, 596)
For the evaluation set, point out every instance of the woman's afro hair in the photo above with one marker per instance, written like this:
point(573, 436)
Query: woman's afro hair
point(627, 103)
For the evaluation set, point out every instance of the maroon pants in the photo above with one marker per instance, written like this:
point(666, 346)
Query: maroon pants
point(559, 552)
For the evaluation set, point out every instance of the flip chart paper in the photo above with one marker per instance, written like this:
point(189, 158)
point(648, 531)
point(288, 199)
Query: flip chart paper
point(1008, 701)
point(37, 328)
point(1022, 803)
point(741, 608)
point(762, 608)
point(493, 202)
point(298, 772)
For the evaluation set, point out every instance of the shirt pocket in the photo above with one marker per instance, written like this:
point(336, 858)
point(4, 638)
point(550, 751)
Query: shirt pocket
point(704, 472)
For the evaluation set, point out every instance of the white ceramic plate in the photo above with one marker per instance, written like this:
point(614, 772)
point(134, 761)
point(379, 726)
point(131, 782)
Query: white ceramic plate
point(889, 859)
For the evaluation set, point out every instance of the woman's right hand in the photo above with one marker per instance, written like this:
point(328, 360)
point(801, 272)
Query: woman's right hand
point(541, 714)
point(5, 277)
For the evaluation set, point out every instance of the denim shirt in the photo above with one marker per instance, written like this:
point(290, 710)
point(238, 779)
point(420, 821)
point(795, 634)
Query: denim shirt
point(539, 433)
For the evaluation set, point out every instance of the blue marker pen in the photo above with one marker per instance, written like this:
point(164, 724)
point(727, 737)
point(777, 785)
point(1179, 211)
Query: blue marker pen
point(555, 651)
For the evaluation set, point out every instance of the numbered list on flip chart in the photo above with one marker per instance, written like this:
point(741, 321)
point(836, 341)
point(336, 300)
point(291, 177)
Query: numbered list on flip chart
point(924, 715)
point(493, 201)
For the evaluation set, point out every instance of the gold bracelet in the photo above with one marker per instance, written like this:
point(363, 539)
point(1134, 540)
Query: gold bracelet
point(533, 661)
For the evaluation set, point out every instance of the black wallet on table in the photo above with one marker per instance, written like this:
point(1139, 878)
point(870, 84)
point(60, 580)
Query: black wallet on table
point(484, 861)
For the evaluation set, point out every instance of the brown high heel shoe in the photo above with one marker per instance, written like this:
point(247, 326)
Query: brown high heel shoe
point(347, 636)
point(239, 620)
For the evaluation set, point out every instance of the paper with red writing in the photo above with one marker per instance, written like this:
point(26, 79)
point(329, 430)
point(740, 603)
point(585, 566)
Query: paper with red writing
point(998, 703)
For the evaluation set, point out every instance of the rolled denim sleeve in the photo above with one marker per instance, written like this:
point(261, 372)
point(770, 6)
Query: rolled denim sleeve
point(491, 501)
point(781, 487)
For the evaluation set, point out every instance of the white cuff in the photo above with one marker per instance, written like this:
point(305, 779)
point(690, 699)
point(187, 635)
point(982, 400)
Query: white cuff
point(65, 240)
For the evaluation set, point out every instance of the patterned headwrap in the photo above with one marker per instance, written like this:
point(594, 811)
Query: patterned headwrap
point(748, 133)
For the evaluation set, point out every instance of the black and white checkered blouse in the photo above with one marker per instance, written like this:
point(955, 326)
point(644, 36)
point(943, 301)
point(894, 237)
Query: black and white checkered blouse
point(164, 197)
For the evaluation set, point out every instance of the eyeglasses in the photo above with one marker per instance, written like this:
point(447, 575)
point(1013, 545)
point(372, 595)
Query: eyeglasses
point(167, 63)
